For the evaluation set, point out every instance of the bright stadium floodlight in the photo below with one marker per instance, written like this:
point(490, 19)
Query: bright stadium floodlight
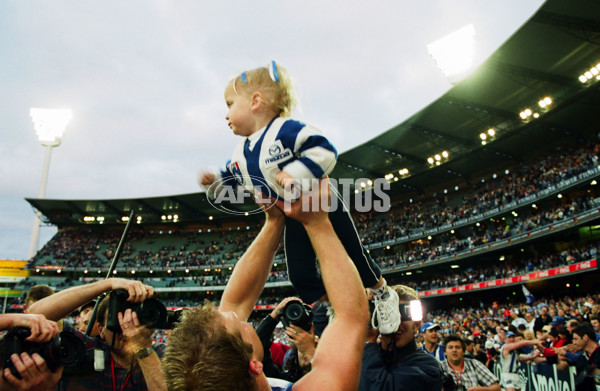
point(454, 53)
point(49, 125)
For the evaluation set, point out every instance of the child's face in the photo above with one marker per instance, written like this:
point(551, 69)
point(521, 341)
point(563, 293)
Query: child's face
point(239, 116)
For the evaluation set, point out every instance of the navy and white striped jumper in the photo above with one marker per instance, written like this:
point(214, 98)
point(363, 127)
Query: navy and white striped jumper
point(304, 153)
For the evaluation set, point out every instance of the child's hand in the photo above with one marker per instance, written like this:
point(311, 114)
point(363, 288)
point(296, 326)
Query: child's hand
point(206, 178)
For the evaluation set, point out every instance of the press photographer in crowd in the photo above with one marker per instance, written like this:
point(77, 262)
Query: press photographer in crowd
point(396, 363)
point(127, 360)
point(296, 317)
point(25, 372)
point(463, 373)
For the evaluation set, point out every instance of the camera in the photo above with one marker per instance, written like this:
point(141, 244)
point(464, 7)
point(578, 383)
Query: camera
point(66, 349)
point(449, 384)
point(297, 314)
point(150, 312)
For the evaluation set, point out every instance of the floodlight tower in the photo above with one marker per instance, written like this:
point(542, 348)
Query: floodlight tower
point(49, 125)
point(454, 53)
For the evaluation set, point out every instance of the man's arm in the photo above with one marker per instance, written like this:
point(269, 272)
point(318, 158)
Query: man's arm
point(336, 364)
point(251, 272)
point(485, 378)
point(517, 345)
point(61, 304)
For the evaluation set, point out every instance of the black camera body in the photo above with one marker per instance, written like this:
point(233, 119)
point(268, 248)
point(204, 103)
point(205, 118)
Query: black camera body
point(66, 349)
point(150, 312)
point(298, 314)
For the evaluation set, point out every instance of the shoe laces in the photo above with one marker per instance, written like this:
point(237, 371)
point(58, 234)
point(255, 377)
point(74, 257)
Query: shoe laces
point(386, 309)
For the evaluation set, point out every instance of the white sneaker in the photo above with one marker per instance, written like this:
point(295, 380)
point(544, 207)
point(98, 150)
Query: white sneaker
point(387, 312)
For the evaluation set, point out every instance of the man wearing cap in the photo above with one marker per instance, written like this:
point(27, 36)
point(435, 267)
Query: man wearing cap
point(431, 340)
point(558, 322)
point(464, 371)
point(509, 361)
point(83, 318)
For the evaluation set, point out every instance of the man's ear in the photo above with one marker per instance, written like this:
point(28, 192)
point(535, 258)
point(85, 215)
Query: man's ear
point(99, 327)
point(256, 101)
point(255, 367)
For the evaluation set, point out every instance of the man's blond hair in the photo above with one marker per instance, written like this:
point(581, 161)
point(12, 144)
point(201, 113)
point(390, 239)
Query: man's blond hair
point(405, 293)
point(202, 355)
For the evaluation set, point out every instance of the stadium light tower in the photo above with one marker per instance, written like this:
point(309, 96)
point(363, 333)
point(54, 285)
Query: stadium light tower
point(454, 53)
point(49, 125)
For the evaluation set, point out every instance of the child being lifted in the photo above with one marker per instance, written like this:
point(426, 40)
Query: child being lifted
point(278, 152)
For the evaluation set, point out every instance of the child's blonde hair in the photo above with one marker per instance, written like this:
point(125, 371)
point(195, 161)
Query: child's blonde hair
point(277, 90)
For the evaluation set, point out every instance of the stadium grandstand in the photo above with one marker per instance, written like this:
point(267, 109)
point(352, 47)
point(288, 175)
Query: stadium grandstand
point(493, 186)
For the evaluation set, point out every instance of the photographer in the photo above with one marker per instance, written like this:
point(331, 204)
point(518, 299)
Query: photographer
point(396, 363)
point(129, 361)
point(464, 373)
point(32, 369)
point(303, 340)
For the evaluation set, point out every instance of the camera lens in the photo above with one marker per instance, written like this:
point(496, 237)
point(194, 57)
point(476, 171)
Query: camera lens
point(66, 349)
point(294, 311)
point(151, 313)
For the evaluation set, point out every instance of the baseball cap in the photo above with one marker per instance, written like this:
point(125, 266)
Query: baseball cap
point(86, 305)
point(510, 334)
point(589, 305)
point(557, 320)
point(429, 326)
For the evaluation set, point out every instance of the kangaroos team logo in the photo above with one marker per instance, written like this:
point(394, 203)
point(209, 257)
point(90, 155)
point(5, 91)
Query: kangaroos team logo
point(274, 150)
point(234, 198)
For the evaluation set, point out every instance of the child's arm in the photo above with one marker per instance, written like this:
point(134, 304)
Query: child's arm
point(213, 182)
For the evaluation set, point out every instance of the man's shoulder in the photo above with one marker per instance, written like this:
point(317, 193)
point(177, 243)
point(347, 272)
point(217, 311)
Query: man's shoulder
point(422, 358)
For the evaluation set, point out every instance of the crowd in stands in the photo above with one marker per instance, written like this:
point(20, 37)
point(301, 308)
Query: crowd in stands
point(161, 250)
point(519, 182)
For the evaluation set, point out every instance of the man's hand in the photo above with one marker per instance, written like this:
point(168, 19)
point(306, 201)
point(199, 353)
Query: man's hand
point(138, 292)
point(135, 334)
point(281, 305)
point(35, 374)
point(303, 340)
point(312, 206)
point(42, 329)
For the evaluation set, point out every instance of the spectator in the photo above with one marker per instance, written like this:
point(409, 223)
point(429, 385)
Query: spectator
point(466, 374)
point(542, 320)
point(431, 340)
point(509, 360)
point(584, 340)
point(595, 322)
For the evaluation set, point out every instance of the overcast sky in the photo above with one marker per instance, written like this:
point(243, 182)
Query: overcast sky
point(145, 81)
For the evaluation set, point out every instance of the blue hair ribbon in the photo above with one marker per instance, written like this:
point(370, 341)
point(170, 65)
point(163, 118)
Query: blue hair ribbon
point(244, 79)
point(273, 71)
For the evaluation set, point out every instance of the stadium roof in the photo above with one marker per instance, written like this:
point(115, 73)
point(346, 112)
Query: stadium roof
point(544, 58)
